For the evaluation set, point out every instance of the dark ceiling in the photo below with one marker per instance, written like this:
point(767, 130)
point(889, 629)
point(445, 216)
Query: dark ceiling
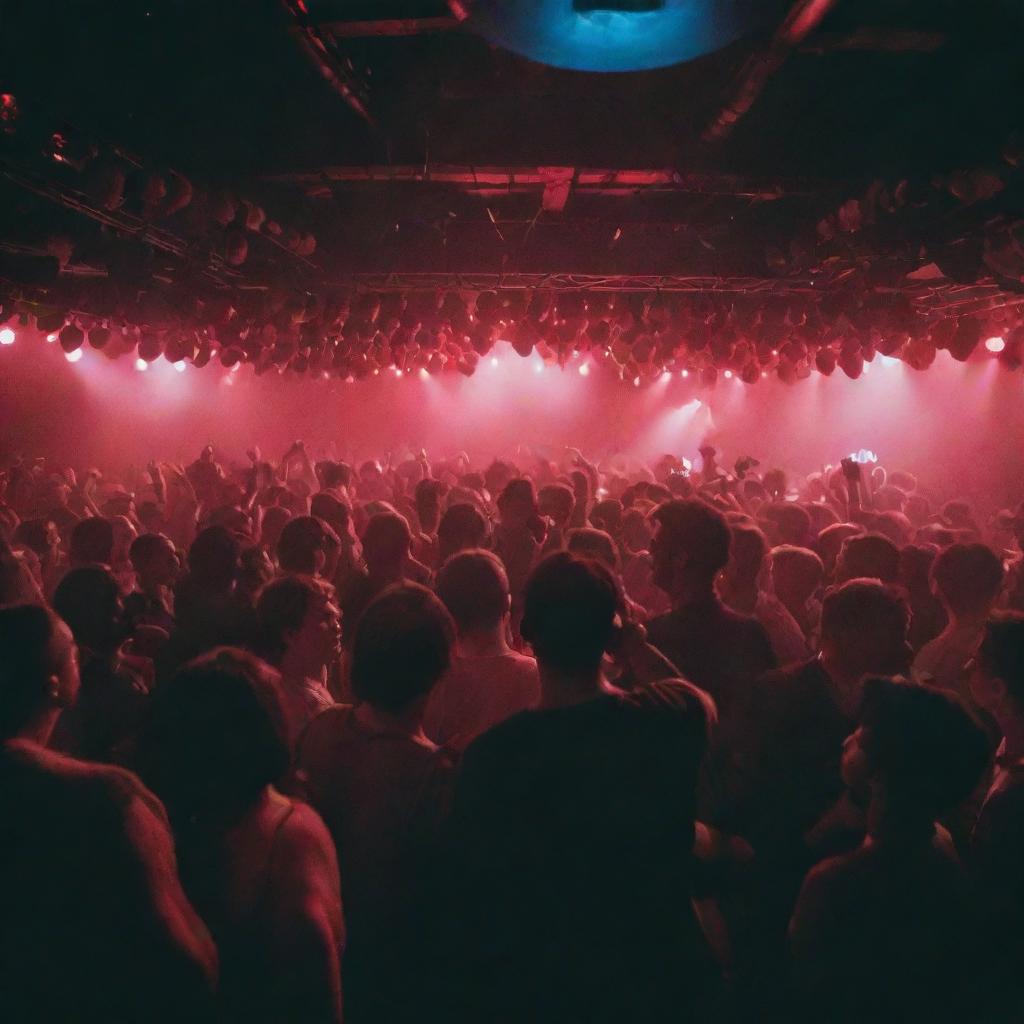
point(411, 144)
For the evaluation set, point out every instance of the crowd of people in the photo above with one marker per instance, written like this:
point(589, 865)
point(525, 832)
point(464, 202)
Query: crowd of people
point(546, 741)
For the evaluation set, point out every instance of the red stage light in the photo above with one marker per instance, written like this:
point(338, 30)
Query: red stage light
point(992, 344)
point(7, 336)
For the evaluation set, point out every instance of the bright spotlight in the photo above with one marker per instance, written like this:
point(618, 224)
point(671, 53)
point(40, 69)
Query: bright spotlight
point(141, 365)
point(585, 370)
point(494, 361)
point(728, 374)
point(73, 357)
point(180, 366)
point(51, 338)
point(684, 373)
point(666, 377)
point(398, 372)
point(992, 344)
point(6, 336)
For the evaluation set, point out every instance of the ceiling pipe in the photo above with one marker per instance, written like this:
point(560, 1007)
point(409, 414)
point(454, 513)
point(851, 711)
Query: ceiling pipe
point(803, 18)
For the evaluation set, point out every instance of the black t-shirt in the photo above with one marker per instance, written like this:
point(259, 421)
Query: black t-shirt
point(81, 938)
point(572, 835)
point(714, 647)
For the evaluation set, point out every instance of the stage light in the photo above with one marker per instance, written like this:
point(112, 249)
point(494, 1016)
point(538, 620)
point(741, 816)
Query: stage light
point(728, 374)
point(179, 365)
point(666, 377)
point(585, 370)
point(73, 357)
point(992, 344)
point(494, 361)
point(684, 373)
point(398, 372)
point(7, 336)
point(423, 373)
point(51, 338)
point(141, 365)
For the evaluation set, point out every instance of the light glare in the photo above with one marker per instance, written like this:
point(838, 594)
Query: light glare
point(73, 357)
point(585, 370)
point(180, 366)
point(992, 344)
point(6, 336)
point(141, 365)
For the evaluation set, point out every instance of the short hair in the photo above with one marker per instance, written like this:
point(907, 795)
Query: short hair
point(557, 501)
point(92, 541)
point(589, 542)
point(968, 577)
point(33, 534)
point(28, 658)
point(864, 609)
point(870, 556)
point(300, 540)
point(402, 647)
point(427, 495)
point(1002, 652)
point(332, 511)
point(693, 526)
point(518, 489)
point(929, 750)
point(569, 609)
point(916, 561)
point(145, 548)
point(793, 523)
point(282, 606)
point(86, 599)
point(748, 549)
point(387, 537)
point(607, 515)
point(215, 736)
point(789, 557)
point(462, 526)
point(474, 587)
point(213, 558)
point(334, 474)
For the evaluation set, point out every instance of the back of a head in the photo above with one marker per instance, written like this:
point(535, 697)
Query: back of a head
point(33, 534)
point(474, 587)
point(87, 600)
point(517, 497)
point(1002, 653)
point(386, 539)
point(402, 647)
point(695, 530)
point(801, 565)
point(215, 736)
point(793, 523)
point(29, 658)
point(590, 542)
point(281, 608)
point(556, 501)
point(923, 744)
point(968, 578)
point(916, 561)
point(570, 605)
point(301, 542)
point(867, 618)
point(462, 526)
point(869, 556)
point(607, 515)
point(92, 542)
point(145, 548)
point(747, 550)
point(213, 558)
point(334, 474)
point(335, 513)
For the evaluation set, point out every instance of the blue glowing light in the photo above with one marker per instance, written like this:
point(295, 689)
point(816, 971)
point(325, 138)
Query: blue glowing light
point(552, 32)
